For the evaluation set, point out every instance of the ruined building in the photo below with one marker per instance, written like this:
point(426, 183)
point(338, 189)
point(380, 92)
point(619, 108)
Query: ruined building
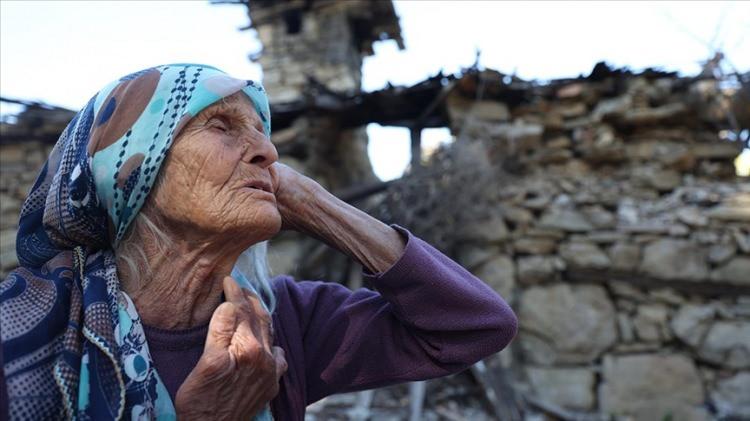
point(310, 47)
point(604, 208)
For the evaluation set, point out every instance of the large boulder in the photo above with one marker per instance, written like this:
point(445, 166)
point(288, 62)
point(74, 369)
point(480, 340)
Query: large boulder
point(567, 387)
point(730, 213)
point(720, 253)
point(650, 323)
point(490, 230)
point(741, 202)
point(736, 271)
point(691, 322)
point(625, 256)
point(692, 216)
point(566, 220)
point(732, 396)
point(653, 176)
point(566, 324)
point(584, 256)
point(537, 269)
point(499, 273)
point(650, 387)
point(727, 343)
point(722, 342)
point(677, 260)
point(600, 217)
point(535, 245)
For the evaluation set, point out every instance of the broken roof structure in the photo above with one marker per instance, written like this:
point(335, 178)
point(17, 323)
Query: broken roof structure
point(323, 39)
point(605, 208)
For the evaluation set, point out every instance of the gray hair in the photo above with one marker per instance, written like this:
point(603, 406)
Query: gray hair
point(250, 270)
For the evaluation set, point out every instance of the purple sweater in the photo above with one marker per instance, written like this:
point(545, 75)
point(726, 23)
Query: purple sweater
point(430, 318)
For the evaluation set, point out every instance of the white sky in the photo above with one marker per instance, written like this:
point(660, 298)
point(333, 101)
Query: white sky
point(63, 52)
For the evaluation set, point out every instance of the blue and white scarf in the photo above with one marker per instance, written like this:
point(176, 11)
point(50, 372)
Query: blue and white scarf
point(73, 343)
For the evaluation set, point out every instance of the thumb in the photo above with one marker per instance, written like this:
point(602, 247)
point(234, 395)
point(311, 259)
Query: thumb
point(221, 328)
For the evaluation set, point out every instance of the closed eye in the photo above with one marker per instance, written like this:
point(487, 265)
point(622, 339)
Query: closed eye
point(218, 124)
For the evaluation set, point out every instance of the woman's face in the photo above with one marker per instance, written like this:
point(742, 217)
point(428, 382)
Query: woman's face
point(217, 179)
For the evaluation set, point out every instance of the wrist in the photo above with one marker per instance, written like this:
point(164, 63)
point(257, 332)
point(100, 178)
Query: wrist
point(319, 211)
point(300, 209)
point(353, 232)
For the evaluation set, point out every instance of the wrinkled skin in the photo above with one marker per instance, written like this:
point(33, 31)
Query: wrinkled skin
point(204, 204)
point(203, 191)
point(202, 201)
point(238, 372)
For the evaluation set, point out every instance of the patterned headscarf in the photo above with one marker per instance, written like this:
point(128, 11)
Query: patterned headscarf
point(73, 344)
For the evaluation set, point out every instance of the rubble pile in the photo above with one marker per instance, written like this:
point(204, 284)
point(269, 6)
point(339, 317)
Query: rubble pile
point(25, 142)
point(605, 209)
point(617, 228)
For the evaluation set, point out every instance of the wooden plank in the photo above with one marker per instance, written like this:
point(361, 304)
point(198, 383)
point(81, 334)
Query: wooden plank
point(416, 400)
point(497, 391)
point(416, 147)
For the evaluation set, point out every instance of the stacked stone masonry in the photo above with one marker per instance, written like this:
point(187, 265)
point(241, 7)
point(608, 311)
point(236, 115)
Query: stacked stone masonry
point(325, 40)
point(20, 163)
point(624, 246)
point(621, 239)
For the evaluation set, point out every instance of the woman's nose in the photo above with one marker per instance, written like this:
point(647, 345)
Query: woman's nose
point(263, 153)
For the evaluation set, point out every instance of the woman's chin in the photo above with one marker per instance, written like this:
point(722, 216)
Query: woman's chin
point(255, 222)
point(266, 224)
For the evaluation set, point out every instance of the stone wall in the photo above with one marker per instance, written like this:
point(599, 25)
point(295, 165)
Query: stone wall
point(323, 48)
point(621, 236)
point(325, 42)
point(20, 163)
point(607, 212)
point(26, 140)
point(321, 39)
point(312, 48)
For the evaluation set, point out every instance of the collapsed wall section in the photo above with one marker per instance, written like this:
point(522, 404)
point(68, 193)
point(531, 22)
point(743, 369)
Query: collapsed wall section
point(608, 212)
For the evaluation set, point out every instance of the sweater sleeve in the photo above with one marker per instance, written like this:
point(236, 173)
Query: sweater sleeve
point(429, 318)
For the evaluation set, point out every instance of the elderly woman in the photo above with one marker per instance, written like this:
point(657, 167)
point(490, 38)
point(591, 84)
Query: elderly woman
point(144, 293)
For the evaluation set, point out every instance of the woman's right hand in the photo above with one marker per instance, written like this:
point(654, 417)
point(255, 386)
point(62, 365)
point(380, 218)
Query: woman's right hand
point(239, 371)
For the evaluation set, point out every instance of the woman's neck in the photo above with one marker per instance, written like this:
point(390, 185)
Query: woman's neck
point(183, 283)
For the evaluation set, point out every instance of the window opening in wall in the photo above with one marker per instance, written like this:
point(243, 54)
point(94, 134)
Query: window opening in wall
point(293, 20)
point(389, 148)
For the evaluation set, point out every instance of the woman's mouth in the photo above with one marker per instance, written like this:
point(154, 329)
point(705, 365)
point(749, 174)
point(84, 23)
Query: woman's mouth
point(259, 185)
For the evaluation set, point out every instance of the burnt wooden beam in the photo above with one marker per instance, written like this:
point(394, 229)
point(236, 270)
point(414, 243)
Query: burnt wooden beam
point(498, 391)
point(356, 193)
point(393, 106)
point(416, 147)
point(709, 288)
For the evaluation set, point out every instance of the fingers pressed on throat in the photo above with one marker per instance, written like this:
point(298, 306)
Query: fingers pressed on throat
point(261, 319)
point(251, 314)
point(221, 328)
point(232, 291)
